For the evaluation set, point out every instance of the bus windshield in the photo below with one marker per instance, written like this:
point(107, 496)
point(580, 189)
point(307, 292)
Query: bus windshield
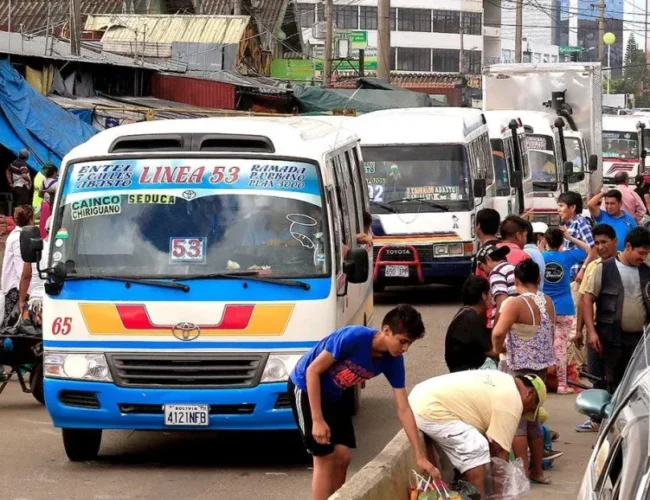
point(542, 158)
point(621, 145)
point(437, 173)
point(167, 218)
point(500, 167)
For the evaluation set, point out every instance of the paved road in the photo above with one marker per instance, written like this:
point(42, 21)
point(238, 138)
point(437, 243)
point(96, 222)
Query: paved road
point(203, 466)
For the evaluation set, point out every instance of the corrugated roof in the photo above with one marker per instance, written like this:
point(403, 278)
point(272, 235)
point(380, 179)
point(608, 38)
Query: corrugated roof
point(259, 83)
point(40, 46)
point(154, 34)
point(32, 14)
point(268, 14)
point(408, 81)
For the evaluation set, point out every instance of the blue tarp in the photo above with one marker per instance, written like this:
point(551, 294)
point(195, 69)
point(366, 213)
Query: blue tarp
point(85, 115)
point(29, 120)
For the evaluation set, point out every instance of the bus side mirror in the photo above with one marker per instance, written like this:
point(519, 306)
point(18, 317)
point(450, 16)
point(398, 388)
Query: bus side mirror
point(570, 175)
point(31, 244)
point(356, 266)
point(516, 178)
point(593, 163)
point(480, 188)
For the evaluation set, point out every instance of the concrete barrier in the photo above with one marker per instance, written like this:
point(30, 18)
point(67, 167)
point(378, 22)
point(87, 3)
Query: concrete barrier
point(384, 478)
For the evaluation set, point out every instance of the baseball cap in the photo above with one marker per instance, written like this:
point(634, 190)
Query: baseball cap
point(493, 251)
point(540, 388)
point(539, 227)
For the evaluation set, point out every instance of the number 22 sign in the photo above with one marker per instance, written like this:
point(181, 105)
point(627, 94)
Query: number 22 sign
point(187, 250)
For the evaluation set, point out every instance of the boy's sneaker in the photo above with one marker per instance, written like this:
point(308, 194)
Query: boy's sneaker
point(552, 454)
point(588, 426)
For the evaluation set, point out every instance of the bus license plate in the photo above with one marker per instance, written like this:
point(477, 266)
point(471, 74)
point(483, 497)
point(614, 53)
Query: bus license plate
point(187, 415)
point(397, 271)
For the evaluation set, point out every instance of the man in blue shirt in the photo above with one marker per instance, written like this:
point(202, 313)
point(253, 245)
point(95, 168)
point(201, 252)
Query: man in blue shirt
point(615, 216)
point(348, 357)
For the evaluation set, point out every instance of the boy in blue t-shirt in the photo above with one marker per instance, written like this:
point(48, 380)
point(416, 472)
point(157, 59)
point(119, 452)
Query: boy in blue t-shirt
point(614, 215)
point(346, 358)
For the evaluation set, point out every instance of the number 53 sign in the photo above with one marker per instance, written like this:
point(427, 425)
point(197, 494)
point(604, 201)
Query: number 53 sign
point(187, 250)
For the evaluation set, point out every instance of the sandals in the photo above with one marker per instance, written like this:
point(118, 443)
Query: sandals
point(544, 481)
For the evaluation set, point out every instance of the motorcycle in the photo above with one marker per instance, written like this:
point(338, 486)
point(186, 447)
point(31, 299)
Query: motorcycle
point(21, 349)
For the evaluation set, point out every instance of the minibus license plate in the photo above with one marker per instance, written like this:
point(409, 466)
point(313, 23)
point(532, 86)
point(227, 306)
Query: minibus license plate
point(397, 271)
point(187, 415)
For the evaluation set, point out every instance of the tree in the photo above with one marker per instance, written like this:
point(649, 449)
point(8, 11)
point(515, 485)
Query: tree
point(636, 77)
point(630, 50)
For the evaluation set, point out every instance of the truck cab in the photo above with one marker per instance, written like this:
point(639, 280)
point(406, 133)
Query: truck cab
point(510, 157)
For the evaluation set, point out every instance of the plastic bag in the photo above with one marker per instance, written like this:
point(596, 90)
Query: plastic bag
point(466, 490)
point(427, 489)
point(510, 479)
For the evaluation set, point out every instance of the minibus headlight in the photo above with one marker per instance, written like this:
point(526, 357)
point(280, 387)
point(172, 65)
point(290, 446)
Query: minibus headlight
point(76, 366)
point(279, 366)
point(451, 250)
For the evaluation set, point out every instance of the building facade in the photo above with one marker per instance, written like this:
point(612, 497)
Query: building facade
point(425, 34)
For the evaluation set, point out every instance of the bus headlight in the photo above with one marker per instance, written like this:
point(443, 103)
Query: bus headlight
point(76, 366)
point(449, 250)
point(279, 367)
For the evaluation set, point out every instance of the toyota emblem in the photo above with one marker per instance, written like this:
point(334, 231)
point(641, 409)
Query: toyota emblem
point(186, 331)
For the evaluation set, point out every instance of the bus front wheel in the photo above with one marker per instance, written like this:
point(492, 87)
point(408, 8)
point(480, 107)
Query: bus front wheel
point(82, 445)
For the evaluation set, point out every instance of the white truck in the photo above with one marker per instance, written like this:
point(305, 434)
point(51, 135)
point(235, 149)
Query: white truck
point(573, 93)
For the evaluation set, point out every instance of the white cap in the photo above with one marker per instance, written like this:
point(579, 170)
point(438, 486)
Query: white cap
point(539, 227)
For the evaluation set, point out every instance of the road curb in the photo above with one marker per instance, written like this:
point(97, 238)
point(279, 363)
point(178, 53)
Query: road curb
point(386, 477)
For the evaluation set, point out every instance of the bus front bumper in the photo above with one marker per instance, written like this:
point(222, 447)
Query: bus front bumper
point(101, 405)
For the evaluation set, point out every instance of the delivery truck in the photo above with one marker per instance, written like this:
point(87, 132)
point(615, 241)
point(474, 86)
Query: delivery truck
point(572, 92)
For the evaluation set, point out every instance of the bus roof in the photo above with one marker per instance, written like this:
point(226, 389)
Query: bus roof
point(302, 137)
point(623, 123)
point(418, 126)
point(498, 120)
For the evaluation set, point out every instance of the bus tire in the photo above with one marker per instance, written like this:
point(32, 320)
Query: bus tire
point(36, 383)
point(352, 399)
point(82, 445)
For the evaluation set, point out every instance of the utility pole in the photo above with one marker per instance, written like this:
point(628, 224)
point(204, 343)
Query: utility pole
point(198, 6)
point(329, 39)
point(462, 44)
point(601, 30)
point(383, 40)
point(75, 28)
point(519, 19)
point(236, 7)
point(645, 46)
point(362, 63)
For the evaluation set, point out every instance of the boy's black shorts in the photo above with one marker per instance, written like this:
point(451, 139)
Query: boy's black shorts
point(336, 415)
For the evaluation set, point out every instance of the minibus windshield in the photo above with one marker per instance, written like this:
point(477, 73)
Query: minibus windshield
point(438, 173)
point(172, 218)
point(621, 145)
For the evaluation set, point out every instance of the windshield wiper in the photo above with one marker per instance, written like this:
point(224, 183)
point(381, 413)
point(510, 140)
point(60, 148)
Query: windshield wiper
point(246, 275)
point(139, 281)
point(422, 200)
point(384, 206)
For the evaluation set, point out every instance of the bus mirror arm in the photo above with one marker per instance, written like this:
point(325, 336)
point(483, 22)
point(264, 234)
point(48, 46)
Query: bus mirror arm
point(355, 266)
